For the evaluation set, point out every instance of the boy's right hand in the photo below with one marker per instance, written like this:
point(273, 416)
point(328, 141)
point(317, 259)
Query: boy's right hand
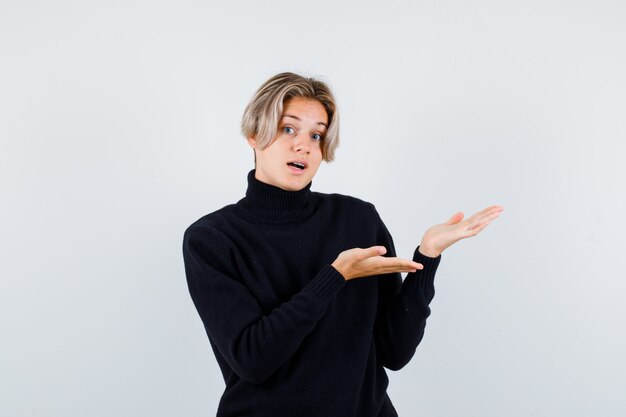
point(357, 262)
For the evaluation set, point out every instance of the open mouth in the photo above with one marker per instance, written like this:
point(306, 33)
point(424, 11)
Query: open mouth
point(297, 165)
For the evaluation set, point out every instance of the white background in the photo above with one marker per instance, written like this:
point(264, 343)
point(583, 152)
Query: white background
point(119, 127)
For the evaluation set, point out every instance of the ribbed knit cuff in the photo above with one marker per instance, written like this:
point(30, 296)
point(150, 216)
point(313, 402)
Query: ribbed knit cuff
point(426, 275)
point(326, 283)
point(428, 262)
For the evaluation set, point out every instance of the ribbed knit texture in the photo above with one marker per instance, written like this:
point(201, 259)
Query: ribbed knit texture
point(274, 205)
point(292, 337)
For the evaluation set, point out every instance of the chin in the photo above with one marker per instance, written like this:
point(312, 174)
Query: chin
point(295, 184)
point(293, 187)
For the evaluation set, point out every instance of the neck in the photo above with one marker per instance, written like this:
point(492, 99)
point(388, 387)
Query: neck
point(272, 204)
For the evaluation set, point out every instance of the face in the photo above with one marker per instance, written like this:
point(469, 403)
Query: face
point(292, 159)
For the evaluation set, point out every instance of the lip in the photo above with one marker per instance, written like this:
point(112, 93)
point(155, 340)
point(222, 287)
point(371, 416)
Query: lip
point(300, 161)
point(295, 171)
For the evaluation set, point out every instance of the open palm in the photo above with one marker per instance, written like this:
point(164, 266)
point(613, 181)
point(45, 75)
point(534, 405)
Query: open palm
point(441, 236)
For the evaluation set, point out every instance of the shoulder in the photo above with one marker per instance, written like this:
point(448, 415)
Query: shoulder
point(210, 224)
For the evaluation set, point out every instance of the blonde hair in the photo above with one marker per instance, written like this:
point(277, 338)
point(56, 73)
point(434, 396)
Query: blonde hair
point(261, 116)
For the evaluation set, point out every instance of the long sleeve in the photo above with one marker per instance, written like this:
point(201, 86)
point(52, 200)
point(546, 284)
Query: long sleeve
point(403, 307)
point(253, 344)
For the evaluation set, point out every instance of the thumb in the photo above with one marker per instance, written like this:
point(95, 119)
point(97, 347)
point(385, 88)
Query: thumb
point(373, 251)
point(455, 219)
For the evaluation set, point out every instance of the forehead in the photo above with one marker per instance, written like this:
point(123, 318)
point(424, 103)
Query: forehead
point(305, 109)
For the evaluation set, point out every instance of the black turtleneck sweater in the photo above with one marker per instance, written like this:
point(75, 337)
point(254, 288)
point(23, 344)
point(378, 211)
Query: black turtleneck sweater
point(292, 337)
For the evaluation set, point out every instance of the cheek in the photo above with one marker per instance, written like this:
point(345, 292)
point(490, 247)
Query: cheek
point(320, 150)
point(318, 158)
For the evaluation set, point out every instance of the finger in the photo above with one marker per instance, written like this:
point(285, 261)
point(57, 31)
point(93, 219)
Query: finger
point(457, 217)
point(395, 263)
point(393, 270)
point(486, 211)
point(382, 265)
point(418, 266)
point(371, 252)
point(483, 211)
point(476, 230)
point(486, 218)
point(368, 273)
point(494, 207)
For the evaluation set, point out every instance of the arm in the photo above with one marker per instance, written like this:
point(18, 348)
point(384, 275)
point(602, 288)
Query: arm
point(403, 307)
point(253, 344)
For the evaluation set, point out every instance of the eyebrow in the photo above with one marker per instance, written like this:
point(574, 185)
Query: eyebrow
point(298, 119)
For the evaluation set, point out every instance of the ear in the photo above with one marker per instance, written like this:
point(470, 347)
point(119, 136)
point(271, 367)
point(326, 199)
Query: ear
point(252, 141)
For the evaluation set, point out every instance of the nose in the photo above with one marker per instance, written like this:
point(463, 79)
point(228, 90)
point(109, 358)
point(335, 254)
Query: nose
point(301, 143)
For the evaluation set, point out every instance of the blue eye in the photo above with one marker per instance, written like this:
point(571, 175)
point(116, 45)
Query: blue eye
point(289, 129)
point(317, 136)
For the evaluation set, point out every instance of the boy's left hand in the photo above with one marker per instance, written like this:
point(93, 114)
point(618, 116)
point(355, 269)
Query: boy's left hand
point(441, 236)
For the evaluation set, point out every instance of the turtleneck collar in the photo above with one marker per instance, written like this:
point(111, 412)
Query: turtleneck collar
point(273, 204)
